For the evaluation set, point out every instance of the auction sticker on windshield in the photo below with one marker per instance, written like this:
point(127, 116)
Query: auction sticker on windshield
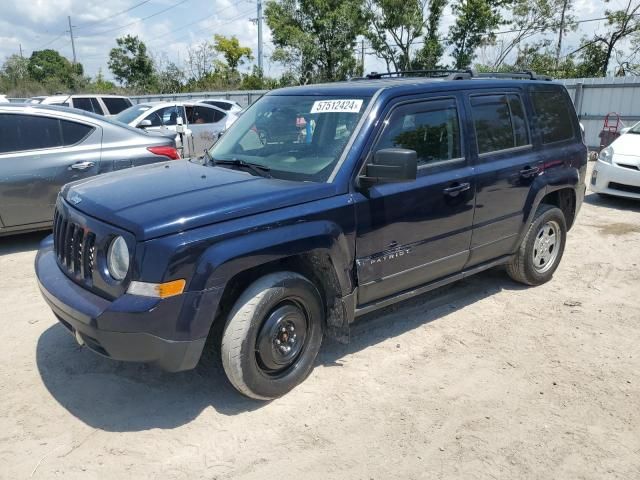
point(336, 106)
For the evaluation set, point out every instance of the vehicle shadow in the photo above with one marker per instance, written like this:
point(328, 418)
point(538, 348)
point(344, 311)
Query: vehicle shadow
point(119, 396)
point(619, 203)
point(21, 243)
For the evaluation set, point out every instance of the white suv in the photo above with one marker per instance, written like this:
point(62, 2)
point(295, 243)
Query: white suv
point(107, 105)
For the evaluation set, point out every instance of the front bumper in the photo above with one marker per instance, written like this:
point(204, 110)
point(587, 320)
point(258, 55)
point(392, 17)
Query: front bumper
point(127, 328)
point(613, 179)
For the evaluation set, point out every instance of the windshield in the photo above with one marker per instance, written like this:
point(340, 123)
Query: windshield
point(635, 128)
point(296, 137)
point(130, 114)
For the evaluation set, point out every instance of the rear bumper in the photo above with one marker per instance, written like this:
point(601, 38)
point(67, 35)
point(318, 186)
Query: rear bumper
point(86, 315)
point(615, 180)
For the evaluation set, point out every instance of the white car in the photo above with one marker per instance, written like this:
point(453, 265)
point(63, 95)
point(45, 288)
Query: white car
point(4, 99)
point(617, 171)
point(107, 105)
point(226, 105)
point(202, 123)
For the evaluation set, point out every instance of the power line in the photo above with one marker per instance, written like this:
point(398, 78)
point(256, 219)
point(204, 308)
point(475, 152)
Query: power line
point(137, 21)
point(93, 22)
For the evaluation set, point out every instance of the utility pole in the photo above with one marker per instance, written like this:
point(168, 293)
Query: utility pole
point(561, 33)
point(260, 47)
point(20, 50)
point(73, 45)
point(362, 57)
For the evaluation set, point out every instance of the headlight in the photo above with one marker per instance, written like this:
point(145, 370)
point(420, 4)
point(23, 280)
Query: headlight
point(118, 259)
point(606, 155)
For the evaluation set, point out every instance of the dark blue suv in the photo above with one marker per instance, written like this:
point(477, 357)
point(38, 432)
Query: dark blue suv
point(320, 204)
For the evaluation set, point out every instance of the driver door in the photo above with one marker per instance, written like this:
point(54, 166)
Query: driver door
point(413, 233)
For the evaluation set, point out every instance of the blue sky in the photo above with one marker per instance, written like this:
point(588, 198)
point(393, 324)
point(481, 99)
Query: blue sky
point(171, 26)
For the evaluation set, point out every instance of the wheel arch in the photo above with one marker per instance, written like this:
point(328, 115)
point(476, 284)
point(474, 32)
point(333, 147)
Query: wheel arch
point(317, 250)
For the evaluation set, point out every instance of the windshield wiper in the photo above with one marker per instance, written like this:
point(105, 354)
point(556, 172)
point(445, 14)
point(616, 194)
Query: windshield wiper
point(256, 168)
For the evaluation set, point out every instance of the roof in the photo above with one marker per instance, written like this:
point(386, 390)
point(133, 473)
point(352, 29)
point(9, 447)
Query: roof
point(405, 85)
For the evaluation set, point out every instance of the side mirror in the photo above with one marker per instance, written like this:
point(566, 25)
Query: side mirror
point(144, 123)
point(392, 165)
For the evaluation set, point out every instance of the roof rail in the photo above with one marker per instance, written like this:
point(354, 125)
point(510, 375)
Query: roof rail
point(445, 74)
point(524, 75)
point(455, 75)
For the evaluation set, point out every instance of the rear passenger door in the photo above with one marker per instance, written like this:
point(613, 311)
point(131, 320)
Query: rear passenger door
point(506, 165)
point(38, 155)
point(413, 233)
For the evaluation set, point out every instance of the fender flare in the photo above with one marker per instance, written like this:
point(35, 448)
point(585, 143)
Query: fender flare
point(551, 181)
point(225, 259)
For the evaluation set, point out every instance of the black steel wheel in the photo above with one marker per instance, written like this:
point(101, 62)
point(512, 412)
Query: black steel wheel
point(273, 335)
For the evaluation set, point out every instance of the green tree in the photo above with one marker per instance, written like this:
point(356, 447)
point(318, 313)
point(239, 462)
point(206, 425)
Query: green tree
point(476, 20)
point(430, 55)
point(316, 38)
point(130, 63)
point(48, 66)
point(622, 25)
point(233, 53)
point(15, 69)
point(394, 27)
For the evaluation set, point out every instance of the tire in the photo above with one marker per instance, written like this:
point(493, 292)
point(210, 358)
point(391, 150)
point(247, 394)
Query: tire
point(539, 255)
point(253, 360)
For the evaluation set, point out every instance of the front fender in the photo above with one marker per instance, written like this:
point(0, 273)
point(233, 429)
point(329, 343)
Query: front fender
point(222, 261)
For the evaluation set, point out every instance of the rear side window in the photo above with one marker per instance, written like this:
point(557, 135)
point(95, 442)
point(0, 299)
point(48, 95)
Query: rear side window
point(430, 128)
point(499, 122)
point(116, 105)
point(28, 132)
point(222, 105)
point(553, 117)
point(97, 108)
point(83, 104)
point(204, 115)
point(73, 132)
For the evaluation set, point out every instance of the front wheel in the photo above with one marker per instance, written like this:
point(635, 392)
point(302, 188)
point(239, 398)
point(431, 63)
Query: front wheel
point(273, 335)
point(541, 249)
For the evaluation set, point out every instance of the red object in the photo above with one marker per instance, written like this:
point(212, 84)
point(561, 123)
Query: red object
point(170, 152)
point(609, 130)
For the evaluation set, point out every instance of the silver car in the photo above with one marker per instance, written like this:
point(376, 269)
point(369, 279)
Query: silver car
point(44, 147)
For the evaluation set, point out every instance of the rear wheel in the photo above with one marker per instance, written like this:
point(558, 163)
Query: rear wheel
point(273, 335)
point(541, 249)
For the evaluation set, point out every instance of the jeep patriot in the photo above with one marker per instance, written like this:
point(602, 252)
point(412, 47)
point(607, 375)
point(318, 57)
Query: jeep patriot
point(321, 203)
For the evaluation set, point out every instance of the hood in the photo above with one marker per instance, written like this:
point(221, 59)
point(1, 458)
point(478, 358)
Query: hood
point(627, 144)
point(170, 197)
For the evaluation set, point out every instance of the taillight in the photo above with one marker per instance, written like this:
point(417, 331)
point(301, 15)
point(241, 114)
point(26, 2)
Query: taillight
point(170, 152)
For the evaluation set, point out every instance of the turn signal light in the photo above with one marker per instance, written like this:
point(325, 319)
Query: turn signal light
point(170, 152)
point(157, 290)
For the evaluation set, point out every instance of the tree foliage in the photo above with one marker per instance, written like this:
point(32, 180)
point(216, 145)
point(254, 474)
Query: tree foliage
point(316, 38)
point(476, 21)
point(130, 63)
point(394, 27)
point(231, 50)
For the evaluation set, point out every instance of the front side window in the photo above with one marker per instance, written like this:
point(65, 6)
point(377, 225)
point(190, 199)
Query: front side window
point(297, 137)
point(552, 112)
point(499, 122)
point(430, 128)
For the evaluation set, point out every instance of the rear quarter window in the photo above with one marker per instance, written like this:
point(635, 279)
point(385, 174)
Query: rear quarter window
point(553, 117)
point(116, 105)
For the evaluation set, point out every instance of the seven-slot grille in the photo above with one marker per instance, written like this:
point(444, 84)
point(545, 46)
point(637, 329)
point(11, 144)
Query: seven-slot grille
point(74, 247)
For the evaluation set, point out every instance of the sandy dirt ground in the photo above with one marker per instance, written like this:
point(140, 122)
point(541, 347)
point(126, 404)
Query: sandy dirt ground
point(485, 379)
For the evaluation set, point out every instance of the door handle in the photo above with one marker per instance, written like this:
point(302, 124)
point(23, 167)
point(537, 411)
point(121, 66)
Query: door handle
point(82, 165)
point(455, 190)
point(529, 172)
